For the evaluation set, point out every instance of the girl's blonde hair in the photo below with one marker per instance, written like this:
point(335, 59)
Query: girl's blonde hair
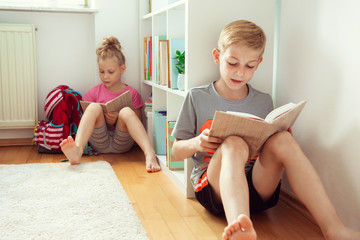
point(110, 47)
point(242, 32)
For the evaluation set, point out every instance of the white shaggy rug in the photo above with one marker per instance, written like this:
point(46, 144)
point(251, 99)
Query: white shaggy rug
point(61, 201)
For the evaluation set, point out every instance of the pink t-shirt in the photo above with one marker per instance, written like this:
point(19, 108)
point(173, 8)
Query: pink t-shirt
point(100, 94)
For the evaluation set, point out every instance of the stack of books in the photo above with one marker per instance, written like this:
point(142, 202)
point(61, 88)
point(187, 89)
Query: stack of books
point(148, 104)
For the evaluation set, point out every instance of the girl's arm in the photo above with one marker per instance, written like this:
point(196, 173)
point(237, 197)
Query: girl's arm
point(202, 143)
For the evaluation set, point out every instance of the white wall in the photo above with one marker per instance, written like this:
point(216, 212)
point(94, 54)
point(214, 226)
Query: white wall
point(318, 61)
point(66, 43)
point(64, 52)
point(120, 18)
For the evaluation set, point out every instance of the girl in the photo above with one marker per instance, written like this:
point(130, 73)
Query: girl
point(112, 132)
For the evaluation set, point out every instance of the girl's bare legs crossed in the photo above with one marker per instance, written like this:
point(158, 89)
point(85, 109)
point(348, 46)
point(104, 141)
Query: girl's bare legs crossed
point(128, 121)
point(227, 179)
point(92, 117)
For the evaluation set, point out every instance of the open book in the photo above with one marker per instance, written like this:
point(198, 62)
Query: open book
point(115, 105)
point(253, 129)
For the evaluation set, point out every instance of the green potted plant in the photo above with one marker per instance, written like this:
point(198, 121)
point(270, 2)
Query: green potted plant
point(180, 66)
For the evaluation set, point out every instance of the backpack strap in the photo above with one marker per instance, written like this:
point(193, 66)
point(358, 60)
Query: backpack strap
point(52, 99)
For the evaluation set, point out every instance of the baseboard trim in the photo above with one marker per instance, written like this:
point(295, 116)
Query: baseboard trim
point(15, 142)
point(293, 203)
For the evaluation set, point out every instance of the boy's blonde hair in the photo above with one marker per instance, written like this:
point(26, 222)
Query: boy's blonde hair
point(110, 47)
point(242, 32)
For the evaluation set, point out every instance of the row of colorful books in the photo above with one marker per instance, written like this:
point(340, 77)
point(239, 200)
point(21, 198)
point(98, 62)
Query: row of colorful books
point(159, 62)
point(164, 141)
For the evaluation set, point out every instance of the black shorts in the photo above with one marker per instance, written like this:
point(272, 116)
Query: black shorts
point(205, 196)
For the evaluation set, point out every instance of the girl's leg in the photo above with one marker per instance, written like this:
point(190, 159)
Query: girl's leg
point(92, 117)
point(226, 176)
point(281, 151)
point(128, 121)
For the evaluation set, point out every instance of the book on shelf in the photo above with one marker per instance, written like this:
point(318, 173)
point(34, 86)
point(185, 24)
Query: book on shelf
point(148, 104)
point(145, 58)
point(148, 58)
point(114, 105)
point(171, 162)
point(174, 45)
point(156, 67)
point(253, 129)
point(159, 122)
point(164, 62)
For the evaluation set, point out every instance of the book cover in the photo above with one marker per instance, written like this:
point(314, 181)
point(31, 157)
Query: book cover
point(145, 59)
point(174, 44)
point(156, 67)
point(159, 121)
point(164, 62)
point(172, 162)
point(150, 58)
point(254, 130)
point(115, 105)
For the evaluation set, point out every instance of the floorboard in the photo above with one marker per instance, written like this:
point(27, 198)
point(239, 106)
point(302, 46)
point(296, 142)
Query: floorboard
point(163, 210)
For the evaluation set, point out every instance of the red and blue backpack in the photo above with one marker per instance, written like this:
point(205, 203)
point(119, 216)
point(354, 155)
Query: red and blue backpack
point(63, 111)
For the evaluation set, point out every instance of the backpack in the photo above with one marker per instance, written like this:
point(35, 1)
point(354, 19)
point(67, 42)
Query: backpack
point(63, 111)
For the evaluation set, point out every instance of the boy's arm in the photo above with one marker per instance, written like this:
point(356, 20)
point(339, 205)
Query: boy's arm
point(202, 143)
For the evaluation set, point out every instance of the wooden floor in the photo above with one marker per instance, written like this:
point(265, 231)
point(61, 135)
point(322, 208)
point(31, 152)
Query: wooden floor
point(163, 210)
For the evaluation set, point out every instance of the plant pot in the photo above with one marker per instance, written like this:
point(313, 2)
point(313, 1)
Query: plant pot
point(181, 82)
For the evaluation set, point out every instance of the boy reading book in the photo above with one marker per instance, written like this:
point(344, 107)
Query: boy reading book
point(227, 182)
point(111, 132)
point(253, 129)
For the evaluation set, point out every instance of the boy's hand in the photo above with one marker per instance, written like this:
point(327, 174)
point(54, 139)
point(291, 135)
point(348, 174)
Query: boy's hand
point(205, 143)
point(111, 118)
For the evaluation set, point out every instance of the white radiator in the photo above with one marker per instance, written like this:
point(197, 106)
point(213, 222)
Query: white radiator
point(18, 83)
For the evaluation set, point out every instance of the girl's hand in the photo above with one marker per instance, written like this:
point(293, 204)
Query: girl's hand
point(111, 118)
point(205, 143)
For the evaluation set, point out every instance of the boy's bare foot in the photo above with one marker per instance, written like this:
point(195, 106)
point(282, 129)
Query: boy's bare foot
point(152, 163)
point(242, 229)
point(71, 151)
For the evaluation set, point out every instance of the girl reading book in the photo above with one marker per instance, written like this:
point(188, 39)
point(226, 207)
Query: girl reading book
point(111, 132)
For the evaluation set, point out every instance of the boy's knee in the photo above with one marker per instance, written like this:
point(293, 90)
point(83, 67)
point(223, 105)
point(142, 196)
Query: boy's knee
point(281, 143)
point(236, 145)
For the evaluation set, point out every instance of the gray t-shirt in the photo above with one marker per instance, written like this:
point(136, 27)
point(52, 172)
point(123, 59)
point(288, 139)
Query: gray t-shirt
point(200, 105)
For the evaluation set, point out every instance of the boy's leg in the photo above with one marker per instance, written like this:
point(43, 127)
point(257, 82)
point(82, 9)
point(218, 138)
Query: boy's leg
point(226, 176)
point(280, 152)
point(92, 117)
point(128, 121)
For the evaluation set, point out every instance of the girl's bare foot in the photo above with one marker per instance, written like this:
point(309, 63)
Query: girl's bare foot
point(71, 151)
point(152, 163)
point(242, 228)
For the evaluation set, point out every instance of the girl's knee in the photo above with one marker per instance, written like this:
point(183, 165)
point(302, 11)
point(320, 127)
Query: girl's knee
point(126, 113)
point(94, 108)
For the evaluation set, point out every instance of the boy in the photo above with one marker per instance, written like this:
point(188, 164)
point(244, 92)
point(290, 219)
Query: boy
point(225, 181)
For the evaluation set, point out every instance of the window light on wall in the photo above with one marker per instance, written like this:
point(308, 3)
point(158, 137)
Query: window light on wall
point(45, 3)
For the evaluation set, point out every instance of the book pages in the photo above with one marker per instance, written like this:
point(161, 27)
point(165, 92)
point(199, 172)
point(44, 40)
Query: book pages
point(254, 132)
point(115, 105)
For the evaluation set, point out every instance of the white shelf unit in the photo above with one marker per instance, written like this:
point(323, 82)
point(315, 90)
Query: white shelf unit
point(199, 22)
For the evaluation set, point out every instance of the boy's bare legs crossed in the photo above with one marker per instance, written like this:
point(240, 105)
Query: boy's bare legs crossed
point(227, 178)
point(282, 151)
point(73, 149)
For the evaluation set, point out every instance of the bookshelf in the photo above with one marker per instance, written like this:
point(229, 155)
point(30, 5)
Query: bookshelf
point(199, 22)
